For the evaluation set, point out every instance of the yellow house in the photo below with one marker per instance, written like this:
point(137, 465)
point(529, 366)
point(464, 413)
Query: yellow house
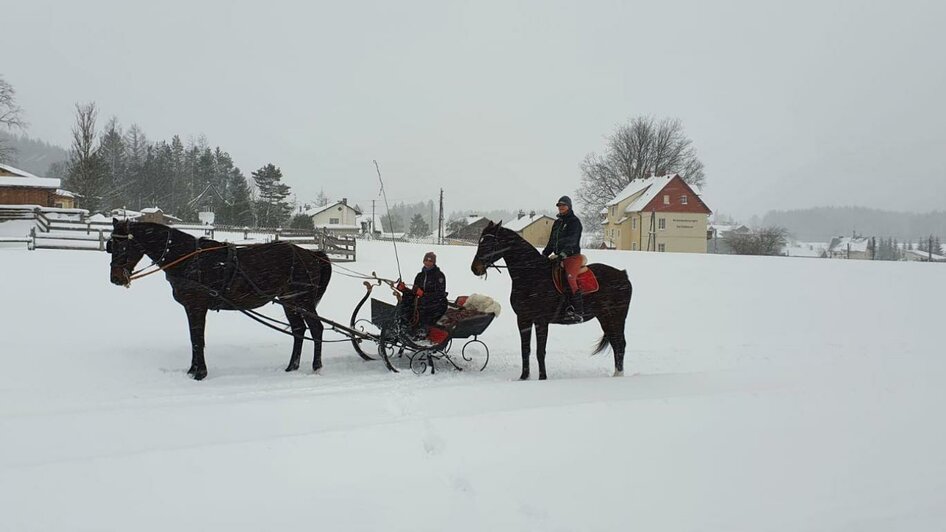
point(656, 214)
point(337, 218)
point(534, 228)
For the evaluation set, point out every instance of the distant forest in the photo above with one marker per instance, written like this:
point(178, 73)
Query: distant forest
point(823, 223)
point(33, 155)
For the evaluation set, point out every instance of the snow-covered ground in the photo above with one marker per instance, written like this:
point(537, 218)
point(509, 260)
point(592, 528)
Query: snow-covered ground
point(763, 394)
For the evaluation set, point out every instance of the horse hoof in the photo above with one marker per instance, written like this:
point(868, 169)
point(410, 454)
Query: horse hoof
point(292, 367)
point(199, 375)
point(524, 377)
point(618, 373)
point(192, 370)
point(317, 371)
point(543, 377)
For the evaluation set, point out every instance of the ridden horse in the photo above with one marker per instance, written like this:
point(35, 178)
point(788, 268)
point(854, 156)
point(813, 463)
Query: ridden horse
point(210, 275)
point(536, 302)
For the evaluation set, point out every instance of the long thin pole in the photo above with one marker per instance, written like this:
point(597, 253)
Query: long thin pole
point(388, 209)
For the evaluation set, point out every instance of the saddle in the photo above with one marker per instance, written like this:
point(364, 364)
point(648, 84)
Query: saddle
point(587, 282)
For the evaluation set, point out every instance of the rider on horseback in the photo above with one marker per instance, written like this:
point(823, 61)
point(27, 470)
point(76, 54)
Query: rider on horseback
point(565, 245)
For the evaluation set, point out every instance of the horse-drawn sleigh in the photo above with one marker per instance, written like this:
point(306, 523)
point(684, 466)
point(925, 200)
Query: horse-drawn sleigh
point(209, 275)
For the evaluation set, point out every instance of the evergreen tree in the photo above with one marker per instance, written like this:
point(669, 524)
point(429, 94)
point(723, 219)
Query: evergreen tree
point(301, 221)
point(937, 246)
point(238, 208)
point(321, 200)
point(272, 209)
point(419, 227)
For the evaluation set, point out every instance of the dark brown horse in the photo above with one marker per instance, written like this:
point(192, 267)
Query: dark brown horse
point(209, 275)
point(536, 302)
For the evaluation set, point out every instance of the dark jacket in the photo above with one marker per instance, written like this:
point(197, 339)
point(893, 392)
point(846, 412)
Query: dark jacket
point(433, 303)
point(565, 239)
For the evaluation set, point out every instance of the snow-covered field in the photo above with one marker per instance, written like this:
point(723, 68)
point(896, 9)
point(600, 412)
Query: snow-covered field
point(763, 394)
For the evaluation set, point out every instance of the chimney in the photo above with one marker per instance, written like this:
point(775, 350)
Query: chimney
point(521, 213)
point(531, 214)
point(344, 201)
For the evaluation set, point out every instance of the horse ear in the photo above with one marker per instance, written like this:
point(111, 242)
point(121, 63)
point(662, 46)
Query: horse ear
point(500, 224)
point(114, 220)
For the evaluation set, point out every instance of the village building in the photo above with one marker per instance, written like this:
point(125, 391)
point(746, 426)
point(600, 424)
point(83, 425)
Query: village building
point(657, 214)
point(534, 228)
point(717, 237)
point(337, 218)
point(849, 247)
point(470, 233)
point(19, 187)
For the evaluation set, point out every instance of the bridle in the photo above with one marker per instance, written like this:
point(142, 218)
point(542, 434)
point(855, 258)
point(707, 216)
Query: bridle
point(489, 259)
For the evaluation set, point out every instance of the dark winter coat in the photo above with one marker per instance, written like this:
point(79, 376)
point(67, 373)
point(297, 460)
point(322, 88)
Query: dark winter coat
point(565, 239)
point(433, 303)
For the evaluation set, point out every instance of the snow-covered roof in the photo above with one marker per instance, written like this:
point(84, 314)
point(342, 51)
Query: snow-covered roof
point(30, 181)
point(840, 244)
point(639, 185)
point(472, 219)
point(16, 171)
point(65, 193)
point(805, 249)
point(521, 223)
point(318, 210)
point(151, 210)
point(924, 254)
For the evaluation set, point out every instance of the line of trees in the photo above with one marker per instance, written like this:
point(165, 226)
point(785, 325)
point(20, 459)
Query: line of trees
point(122, 168)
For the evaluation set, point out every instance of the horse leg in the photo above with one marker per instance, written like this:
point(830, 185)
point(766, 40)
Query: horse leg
point(316, 328)
point(197, 319)
point(614, 332)
point(541, 338)
point(525, 334)
point(297, 324)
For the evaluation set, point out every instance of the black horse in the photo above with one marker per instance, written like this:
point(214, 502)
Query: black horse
point(210, 275)
point(536, 302)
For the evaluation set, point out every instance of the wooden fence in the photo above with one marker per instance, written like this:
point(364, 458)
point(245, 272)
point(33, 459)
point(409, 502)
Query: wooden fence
point(65, 229)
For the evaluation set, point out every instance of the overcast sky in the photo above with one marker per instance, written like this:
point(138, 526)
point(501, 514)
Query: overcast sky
point(790, 104)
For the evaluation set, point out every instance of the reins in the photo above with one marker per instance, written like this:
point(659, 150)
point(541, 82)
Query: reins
point(138, 274)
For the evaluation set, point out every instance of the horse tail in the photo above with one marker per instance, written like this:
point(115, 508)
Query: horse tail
point(603, 344)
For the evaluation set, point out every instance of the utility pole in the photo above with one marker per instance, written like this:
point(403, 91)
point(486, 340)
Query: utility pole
point(440, 221)
point(372, 218)
point(929, 249)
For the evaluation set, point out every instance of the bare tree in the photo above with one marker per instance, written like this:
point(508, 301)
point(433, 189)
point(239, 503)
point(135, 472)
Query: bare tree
point(637, 150)
point(86, 173)
point(766, 241)
point(11, 117)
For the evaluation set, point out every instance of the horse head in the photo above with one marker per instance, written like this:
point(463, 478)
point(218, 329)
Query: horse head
point(125, 251)
point(490, 248)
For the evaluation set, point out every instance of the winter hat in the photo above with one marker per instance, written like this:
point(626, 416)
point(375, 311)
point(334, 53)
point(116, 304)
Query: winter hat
point(564, 200)
point(431, 255)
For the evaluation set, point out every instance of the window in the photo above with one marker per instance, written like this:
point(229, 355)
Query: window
point(661, 223)
point(633, 223)
point(333, 221)
point(666, 199)
point(613, 209)
point(661, 247)
point(634, 246)
point(683, 199)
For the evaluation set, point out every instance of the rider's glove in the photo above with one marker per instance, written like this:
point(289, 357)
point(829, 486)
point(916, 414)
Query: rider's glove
point(400, 286)
point(419, 292)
